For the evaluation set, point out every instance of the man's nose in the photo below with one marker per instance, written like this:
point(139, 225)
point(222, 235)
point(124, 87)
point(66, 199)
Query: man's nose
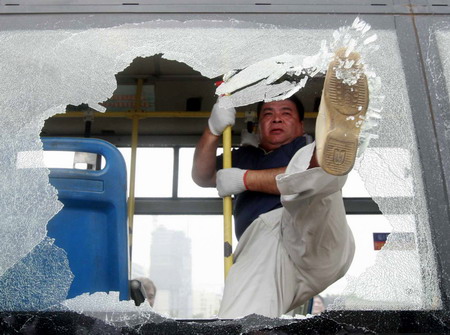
point(276, 119)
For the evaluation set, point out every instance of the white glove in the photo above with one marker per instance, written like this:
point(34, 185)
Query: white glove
point(222, 115)
point(230, 181)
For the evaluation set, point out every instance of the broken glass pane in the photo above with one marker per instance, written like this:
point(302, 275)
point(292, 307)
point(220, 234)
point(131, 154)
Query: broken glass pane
point(56, 67)
point(443, 38)
point(38, 281)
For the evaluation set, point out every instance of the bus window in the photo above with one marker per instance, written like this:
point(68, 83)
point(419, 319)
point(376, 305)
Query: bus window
point(56, 60)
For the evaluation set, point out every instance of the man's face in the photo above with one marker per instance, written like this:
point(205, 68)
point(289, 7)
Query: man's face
point(318, 306)
point(279, 124)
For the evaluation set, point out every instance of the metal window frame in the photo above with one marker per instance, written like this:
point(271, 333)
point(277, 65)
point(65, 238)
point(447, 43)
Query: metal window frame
point(429, 116)
point(416, 16)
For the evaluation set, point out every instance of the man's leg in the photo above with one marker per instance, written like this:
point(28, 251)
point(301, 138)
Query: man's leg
point(263, 279)
point(314, 230)
point(290, 254)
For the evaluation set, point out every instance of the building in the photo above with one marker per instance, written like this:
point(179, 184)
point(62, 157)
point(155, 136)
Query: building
point(171, 272)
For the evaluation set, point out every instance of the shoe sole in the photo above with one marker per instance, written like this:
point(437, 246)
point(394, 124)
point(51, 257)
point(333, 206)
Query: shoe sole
point(346, 106)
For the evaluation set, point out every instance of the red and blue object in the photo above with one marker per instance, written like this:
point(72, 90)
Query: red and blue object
point(379, 240)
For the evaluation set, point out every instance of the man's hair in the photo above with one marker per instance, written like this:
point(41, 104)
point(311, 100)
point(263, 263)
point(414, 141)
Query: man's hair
point(147, 283)
point(294, 99)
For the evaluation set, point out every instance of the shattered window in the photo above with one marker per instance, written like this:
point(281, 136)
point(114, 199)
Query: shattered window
point(55, 66)
point(367, 249)
point(379, 250)
point(443, 38)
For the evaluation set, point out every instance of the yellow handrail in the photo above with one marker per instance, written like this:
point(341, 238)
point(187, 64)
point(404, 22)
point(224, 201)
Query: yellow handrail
point(134, 144)
point(145, 115)
point(227, 205)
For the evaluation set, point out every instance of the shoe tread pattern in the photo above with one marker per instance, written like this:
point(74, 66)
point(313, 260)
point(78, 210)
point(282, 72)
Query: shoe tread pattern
point(347, 106)
point(339, 155)
point(348, 100)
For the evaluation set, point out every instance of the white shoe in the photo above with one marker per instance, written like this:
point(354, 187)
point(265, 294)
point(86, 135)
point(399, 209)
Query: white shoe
point(345, 98)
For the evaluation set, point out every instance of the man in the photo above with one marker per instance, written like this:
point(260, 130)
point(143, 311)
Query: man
point(294, 240)
point(149, 288)
point(318, 305)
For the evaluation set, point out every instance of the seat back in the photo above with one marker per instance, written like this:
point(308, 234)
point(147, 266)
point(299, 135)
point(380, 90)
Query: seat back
point(92, 225)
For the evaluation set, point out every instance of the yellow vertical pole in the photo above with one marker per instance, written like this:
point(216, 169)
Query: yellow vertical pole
point(227, 205)
point(134, 144)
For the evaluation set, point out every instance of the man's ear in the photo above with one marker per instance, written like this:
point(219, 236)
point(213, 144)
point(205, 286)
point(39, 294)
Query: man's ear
point(302, 127)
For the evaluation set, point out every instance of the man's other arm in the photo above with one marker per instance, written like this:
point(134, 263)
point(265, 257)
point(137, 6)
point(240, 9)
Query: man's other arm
point(204, 169)
point(234, 181)
point(204, 165)
point(263, 180)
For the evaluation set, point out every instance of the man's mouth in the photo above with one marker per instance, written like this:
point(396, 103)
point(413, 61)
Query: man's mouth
point(276, 131)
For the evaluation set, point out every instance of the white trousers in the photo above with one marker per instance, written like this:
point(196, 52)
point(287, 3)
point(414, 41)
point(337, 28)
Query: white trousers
point(290, 254)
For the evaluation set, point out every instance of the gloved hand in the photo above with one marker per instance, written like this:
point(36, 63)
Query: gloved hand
point(230, 181)
point(222, 115)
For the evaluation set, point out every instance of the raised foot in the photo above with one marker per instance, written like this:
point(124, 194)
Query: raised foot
point(342, 112)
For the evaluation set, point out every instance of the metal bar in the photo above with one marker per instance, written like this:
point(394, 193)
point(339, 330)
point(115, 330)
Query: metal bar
point(227, 205)
point(180, 206)
point(134, 144)
point(214, 206)
point(361, 206)
point(143, 115)
point(146, 115)
point(176, 164)
point(158, 141)
point(258, 8)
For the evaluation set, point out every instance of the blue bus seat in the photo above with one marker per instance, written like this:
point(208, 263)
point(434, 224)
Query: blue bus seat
point(92, 225)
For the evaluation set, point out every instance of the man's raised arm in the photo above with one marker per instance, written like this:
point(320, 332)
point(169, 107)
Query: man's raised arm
point(204, 165)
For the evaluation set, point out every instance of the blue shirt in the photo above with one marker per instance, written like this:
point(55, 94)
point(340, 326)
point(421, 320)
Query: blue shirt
point(249, 205)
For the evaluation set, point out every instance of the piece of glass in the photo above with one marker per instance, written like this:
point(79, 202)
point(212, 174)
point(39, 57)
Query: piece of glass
point(393, 162)
point(38, 281)
point(363, 227)
point(367, 283)
point(28, 201)
point(443, 39)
